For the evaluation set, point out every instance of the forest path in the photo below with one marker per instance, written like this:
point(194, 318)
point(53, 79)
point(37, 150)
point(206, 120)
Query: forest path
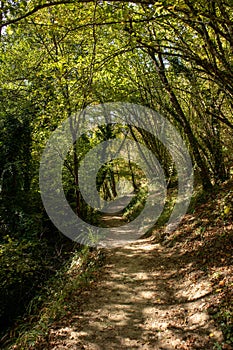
point(148, 296)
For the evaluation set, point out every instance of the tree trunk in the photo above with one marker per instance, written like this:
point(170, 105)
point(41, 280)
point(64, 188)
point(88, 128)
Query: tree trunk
point(182, 120)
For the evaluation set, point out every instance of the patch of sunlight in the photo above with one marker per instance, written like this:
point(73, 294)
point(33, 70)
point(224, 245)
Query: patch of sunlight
point(76, 264)
point(65, 331)
point(124, 305)
point(82, 333)
point(161, 325)
point(142, 276)
point(117, 286)
point(146, 294)
point(199, 318)
point(149, 310)
point(192, 291)
point(148, 247)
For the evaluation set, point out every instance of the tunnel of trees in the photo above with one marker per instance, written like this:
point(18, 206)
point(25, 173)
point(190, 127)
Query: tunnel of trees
point(58, 57)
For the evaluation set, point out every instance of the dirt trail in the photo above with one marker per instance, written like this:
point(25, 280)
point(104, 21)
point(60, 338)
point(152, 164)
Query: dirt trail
point(148, 297)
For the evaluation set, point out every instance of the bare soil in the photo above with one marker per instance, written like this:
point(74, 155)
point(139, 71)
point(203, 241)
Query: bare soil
point(148, 297)
point(157, 293)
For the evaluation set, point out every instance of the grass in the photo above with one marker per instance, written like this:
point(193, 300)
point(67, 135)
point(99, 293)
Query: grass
point(55, 301)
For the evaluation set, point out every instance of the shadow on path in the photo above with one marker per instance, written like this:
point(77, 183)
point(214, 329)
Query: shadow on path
point(148, 298)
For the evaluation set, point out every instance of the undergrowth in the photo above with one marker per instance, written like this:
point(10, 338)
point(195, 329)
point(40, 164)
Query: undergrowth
point(55, 301)
point(206, 235)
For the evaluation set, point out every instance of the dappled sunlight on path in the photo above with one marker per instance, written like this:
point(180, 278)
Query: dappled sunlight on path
point(144, 300)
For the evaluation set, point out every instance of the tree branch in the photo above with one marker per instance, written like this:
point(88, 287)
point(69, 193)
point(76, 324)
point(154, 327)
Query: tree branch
point(61, 2)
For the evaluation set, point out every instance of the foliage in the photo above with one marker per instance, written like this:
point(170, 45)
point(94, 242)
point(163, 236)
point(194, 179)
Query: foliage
point(136, 205)
point(57, 299)
point(23, 268)
point(60, 57)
